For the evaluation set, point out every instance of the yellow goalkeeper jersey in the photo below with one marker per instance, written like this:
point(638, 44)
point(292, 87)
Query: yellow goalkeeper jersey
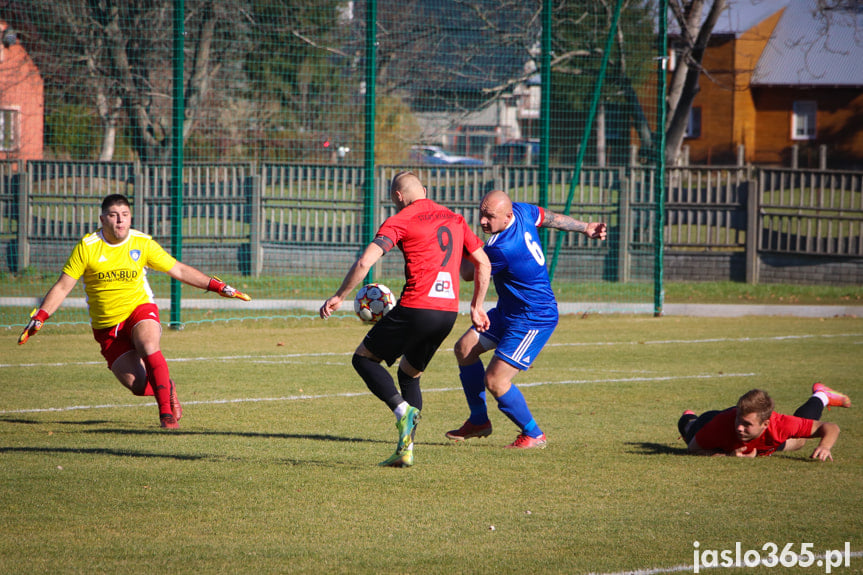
point(115, 276)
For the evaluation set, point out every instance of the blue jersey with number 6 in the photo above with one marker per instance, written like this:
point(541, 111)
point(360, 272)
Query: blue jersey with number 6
point(518, 268)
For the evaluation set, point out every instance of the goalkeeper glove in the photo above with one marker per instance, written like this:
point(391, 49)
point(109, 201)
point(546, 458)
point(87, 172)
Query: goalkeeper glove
point(37, 320)
point(225, 290)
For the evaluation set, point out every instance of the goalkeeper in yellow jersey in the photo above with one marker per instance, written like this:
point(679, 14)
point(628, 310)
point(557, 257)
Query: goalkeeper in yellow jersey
point(123, 314)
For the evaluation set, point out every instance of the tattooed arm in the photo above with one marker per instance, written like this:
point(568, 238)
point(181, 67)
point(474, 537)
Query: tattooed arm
point(593, 230)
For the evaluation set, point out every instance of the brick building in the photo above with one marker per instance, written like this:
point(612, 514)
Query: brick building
point(22, 101)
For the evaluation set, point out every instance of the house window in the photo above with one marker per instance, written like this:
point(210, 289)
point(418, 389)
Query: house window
point(693, 125)
point(8, 130)
point(803, 120)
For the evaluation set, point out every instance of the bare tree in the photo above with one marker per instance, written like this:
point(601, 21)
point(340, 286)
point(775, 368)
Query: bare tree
point(120, 55)
point(695, 31)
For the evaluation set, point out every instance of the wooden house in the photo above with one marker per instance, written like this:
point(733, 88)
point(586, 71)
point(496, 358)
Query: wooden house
point(780, 76)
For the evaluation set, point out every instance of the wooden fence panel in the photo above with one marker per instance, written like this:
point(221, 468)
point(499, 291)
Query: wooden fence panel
point(311, 204)
point(321, 206)
point(10, 175)
point(642, 209)
point(811, 212)
point(215, 202)
point(594, 198)
point(65, 197)
point(706, 207)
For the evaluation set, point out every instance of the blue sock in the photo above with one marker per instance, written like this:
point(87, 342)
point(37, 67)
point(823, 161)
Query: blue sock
point(514, 406)
point(473, 382)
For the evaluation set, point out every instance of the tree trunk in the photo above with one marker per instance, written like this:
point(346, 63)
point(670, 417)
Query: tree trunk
point(199, 82)
point(109, 115)
point(109, 139)
point(685, 78)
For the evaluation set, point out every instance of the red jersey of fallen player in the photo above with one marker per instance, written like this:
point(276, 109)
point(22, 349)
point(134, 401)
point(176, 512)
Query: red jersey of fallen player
point(719, 433)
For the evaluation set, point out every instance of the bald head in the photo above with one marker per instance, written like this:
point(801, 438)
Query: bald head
point(495, 212)
point(405, 188)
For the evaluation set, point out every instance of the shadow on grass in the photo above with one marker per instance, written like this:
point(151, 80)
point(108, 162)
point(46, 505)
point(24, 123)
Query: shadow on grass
point(650, 448)
point(250, 434)
point(100, 451)
point(41, 422)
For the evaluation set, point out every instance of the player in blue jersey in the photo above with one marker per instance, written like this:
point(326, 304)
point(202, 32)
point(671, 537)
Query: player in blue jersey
point(522, 321)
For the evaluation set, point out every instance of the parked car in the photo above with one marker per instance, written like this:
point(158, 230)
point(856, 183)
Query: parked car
point(435, 155)
point(517, 152)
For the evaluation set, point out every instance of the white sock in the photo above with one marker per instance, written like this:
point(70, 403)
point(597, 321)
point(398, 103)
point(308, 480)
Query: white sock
point(401, 409)
point(823, 397)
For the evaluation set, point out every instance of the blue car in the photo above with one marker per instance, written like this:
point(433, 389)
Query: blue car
point(517, 152)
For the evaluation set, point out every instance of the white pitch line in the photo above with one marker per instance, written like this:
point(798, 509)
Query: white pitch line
point(710, 340)
point(362, 393)
point(636, 379)
point(686, 568)
point(275, 358)
point(189, 359)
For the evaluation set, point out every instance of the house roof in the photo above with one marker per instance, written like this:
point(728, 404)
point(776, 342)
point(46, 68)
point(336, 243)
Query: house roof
point(808, 48)
point(741, 15)
point(737, 16)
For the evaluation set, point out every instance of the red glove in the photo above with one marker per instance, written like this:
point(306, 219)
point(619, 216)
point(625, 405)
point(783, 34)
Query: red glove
point(37, 320)
point(225, 290)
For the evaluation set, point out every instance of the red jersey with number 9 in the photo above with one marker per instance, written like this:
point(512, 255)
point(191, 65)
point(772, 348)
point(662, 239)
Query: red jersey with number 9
point(433, 240)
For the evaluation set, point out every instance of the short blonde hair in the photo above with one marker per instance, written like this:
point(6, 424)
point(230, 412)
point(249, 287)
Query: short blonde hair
point(403, 180)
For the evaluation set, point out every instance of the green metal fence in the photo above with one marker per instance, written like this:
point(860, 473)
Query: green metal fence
point(256, 138)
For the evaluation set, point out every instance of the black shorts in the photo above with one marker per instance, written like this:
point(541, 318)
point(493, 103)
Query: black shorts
point(413, 333)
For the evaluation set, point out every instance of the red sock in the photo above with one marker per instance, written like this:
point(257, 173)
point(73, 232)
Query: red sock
point(148, 390)
point(159, 380)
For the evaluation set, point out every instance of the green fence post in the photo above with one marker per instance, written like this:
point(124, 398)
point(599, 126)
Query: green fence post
point(659, 239)
point(369, 167)
point(25, 178)
point(254, 192)
point(177, 162)
point(545, 114)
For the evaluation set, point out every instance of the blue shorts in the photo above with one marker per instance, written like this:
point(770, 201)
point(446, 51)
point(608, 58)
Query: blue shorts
point(516, 341)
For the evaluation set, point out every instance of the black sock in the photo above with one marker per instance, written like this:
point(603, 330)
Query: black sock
point(378, 380)
point(683, 423)
point(812, 409)
point(410, 387)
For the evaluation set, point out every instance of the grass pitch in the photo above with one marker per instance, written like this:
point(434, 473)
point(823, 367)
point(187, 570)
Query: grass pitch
point(275, 467)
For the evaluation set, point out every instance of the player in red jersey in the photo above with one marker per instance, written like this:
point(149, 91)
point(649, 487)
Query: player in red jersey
point(752, 428)
point(112, 263)
point(433, 240)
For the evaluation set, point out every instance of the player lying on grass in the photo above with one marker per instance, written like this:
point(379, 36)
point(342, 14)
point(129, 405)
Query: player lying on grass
point(123, 314)
point(752, 428)
point(523, 319)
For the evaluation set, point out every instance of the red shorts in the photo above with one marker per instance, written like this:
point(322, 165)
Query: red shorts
point(117, 340)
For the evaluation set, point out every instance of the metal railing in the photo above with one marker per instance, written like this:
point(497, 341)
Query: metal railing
point(811, 212)
point(321, 206)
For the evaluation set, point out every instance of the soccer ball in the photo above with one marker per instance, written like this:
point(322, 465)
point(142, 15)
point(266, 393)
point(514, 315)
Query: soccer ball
point(373, 302)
